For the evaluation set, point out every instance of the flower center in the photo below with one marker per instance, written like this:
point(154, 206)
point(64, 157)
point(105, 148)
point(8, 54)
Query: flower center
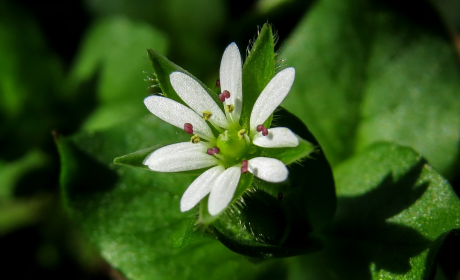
point(232, 145)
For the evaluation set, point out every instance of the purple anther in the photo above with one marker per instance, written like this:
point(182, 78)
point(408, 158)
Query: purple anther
point(265, 132)
point(260, 127)
point(244, 163)
point(188, 127)
point(215, 150)
point(244, 169)
point(218, 83)
point(221, 97)
point(226, 94)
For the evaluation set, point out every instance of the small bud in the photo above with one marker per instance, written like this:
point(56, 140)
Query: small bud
point(188, 127)
point(206, 115)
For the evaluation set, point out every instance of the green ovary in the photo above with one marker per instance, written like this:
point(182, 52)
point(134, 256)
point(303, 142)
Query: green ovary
point(232, 147)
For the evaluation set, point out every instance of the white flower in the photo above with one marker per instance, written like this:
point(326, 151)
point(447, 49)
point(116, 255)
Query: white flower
point(227, 153)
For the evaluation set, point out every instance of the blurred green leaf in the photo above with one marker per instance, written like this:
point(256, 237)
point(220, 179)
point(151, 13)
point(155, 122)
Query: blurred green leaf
point(394, 213)
point(113, 50)
point(133, 216)
point(372, 73)
point(30, 83)
point(11, 172)
point(192, 25)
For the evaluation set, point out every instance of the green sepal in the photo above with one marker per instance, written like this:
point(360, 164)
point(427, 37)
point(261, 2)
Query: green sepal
point(258, 70)
point(135, 159)
point(163, 67)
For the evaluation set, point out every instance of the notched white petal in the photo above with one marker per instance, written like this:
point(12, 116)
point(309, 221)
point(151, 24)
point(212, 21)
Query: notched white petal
point(272, 96)
point(199, 188)
point(223, 190)
point(179, 157)
point(197, 98)
point(177, 114)
point(268, 169)
point(278, 137)
point(231, 78)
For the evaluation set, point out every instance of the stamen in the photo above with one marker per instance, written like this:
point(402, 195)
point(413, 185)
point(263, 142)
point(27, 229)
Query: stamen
point(261, 128)
point(241, 133)
point(188, 127)
point(229, 108)
point(244, 166)
point(218, 83)
point(206, 115)
point(210, 152)
point(195, 139)
point(221, 97)
point(216, 150)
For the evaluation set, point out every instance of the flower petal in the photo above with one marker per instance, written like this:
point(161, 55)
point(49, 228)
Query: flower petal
point(268, 169)
point(231, 79)
point(199, 188)
point(177, 114)
point(180, 157)
point(223, 190)
point(278, 137)
point(197, 98)
point(271, 97)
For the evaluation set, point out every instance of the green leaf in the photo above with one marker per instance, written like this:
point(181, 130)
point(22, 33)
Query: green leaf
point(258, 70)
point(374, 73)
point(394, 213)
point(133, 216)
